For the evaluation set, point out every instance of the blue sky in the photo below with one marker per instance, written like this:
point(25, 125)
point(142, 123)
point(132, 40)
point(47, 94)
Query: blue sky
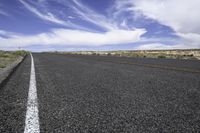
point(72, 25)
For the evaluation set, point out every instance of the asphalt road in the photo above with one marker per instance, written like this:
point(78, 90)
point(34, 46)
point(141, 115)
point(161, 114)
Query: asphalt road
point(105, 94)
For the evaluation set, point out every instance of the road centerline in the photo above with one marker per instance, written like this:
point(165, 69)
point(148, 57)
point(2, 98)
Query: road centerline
point(32, 118)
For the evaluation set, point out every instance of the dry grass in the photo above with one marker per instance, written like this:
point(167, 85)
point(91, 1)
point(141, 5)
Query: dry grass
point(5, 61)
point(7, 58)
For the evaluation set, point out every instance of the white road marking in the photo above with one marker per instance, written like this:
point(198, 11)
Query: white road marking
point(32, 118)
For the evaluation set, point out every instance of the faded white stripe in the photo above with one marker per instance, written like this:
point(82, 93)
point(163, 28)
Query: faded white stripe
point(32, 118)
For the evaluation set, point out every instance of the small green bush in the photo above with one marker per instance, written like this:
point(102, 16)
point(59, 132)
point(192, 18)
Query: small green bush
point(162, 56)
point(109, 54)
point(191, 55)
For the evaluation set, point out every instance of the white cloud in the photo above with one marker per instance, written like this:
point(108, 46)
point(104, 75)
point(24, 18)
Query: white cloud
point(190, 37)
point(67, 37)
point(161, 46)
point(181, 15)
point(154, 46)
point(75, 38)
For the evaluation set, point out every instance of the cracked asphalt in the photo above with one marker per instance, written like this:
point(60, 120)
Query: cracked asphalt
point(91, 94)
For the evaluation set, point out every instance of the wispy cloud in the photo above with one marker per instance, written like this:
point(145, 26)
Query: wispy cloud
point(91, 16)
point(4, 13)
point(50, 17)
point(82, 12)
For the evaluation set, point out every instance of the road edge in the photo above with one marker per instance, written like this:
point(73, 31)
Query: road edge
point(9, 70)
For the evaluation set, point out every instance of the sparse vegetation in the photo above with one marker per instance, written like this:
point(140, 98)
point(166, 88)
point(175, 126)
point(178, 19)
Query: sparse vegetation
point(172, 54)
point(2, 65)
point(7, 57)
point(20, 53)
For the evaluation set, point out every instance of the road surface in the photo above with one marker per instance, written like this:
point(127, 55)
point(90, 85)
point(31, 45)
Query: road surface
point(77, 93)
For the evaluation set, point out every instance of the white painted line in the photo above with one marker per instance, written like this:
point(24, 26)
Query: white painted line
point(32, 118)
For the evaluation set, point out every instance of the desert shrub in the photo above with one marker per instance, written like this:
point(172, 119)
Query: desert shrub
point(109, 54)
point(162, 56)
